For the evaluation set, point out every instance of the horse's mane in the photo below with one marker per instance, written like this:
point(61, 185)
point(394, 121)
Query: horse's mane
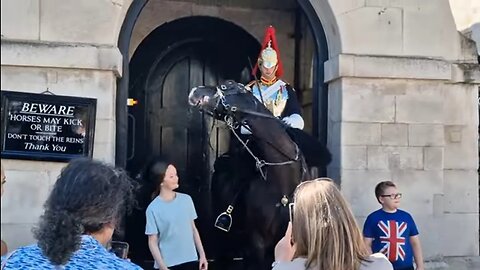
point(315, 153)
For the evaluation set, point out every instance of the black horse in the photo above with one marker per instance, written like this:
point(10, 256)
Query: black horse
point(258, 181)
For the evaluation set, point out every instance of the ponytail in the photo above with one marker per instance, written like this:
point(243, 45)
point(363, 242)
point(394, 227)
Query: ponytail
point(59, 235)
point(87, 196)
point(153, 175)
point(155, 193)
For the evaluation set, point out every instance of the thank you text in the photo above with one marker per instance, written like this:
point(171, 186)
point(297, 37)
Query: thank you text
point(46, 127)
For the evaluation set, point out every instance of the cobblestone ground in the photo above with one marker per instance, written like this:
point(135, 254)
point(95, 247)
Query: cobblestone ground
point(455, 263)
point(450, 263)
point(211, 266)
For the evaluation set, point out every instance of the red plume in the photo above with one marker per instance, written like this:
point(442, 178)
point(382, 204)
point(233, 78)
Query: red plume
point(270, 36)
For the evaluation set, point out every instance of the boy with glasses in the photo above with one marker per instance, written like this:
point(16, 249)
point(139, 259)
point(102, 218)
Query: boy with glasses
point(392, 231)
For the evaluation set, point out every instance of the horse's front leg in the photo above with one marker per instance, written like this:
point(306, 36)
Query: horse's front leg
point(257, 256)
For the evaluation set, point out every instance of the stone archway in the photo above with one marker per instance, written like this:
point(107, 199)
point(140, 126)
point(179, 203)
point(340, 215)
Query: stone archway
point(400, 80)
point(320, 89)
point(175, 57)
point(312, 9)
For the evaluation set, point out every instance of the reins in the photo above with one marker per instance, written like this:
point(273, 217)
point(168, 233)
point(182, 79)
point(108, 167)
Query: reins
point(233, 125)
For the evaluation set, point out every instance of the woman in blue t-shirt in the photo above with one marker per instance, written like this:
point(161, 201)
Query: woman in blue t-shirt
point(173, 238)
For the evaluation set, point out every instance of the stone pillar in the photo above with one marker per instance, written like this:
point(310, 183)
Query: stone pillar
point(414, 121)
point(68, 47)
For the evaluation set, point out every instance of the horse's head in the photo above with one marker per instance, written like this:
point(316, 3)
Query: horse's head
point(229, 99)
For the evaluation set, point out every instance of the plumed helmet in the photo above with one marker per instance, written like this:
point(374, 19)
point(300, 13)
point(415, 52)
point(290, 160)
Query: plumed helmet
point(268, 57)
point(270, 54)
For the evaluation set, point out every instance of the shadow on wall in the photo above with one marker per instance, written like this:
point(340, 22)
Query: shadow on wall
point(475, 36)
point(473, 33)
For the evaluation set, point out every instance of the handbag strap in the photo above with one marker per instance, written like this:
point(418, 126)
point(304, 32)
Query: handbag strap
point(4, 263)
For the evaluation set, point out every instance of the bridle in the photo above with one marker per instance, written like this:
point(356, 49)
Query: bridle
point(233, 124)
point(225, 111)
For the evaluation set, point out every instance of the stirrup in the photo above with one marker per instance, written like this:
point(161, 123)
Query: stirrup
point(224, 220)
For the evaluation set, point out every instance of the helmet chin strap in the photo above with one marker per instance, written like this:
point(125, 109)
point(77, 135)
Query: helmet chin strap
point(268, 81)
point(271, 79)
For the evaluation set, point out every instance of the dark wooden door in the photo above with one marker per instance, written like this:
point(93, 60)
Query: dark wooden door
point(175, 129)
point(170, 61)
point(164, 124)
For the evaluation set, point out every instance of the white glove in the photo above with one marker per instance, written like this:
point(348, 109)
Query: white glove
point(294, 121)
point(245, 131)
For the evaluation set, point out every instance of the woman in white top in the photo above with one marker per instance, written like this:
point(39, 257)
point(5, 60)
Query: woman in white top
point(323, 234)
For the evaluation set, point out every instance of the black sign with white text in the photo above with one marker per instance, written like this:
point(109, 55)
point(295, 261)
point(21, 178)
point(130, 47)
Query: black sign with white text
point(47, 127)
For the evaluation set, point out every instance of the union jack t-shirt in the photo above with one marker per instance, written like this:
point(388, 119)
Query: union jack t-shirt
point(391, 236)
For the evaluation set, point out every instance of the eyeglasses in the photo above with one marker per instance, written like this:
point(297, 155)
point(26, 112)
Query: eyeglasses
point(393, 196)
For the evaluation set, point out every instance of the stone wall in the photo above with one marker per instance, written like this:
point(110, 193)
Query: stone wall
point(253, 17)
point(252, 20)
point(69, 48)
point(403, 105)
point(467, 18)
point(465, 13)
point(404, 119)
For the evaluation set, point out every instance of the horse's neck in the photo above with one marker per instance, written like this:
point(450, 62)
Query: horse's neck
point(277, 147)
point(272, 139)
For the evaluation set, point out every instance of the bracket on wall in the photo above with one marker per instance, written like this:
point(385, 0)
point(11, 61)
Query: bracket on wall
point(47, 92)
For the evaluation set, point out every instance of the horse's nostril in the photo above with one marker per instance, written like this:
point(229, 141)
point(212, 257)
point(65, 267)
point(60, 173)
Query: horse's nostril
point(205, 99)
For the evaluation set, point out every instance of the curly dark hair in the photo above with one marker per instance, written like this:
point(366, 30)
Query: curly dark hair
point(87, 196)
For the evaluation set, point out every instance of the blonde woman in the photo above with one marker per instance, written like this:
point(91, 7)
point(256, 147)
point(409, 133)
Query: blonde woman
point(324, 233)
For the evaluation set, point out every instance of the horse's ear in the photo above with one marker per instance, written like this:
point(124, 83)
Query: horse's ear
point(249, 86)
point(229, 82)
point(242, 88)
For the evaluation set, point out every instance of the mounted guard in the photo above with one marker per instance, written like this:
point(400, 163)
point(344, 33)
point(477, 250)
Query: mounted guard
point(259, 195)
point(277, 95)
point(265, 162)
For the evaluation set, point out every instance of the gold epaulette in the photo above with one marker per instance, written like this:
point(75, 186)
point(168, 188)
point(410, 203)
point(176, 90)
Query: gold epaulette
point(287, 83)
point(291, 87)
